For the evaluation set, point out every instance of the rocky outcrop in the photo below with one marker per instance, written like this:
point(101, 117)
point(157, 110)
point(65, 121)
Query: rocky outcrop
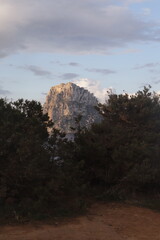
point(67, 102)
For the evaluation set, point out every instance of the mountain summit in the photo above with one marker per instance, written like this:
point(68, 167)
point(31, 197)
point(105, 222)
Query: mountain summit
point(67, 102)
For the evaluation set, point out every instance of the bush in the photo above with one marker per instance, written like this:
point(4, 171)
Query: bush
point(121, 154)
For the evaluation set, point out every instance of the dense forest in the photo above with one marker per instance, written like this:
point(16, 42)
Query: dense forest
point(45, 175)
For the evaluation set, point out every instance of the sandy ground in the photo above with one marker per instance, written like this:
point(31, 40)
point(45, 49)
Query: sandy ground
point(102, 222)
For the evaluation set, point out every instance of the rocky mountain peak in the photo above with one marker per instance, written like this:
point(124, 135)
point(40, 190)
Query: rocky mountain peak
point(66, 102)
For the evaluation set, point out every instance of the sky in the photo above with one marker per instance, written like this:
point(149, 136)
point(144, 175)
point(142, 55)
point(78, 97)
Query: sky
point(97, 44)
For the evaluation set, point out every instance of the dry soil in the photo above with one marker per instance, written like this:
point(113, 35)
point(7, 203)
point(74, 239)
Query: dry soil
point(102, 222)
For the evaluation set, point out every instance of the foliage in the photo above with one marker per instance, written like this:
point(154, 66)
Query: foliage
point(45, 174)
point(34, 178)
point(121, 155)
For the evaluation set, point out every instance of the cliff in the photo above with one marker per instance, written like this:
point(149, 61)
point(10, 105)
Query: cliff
point(66, 102)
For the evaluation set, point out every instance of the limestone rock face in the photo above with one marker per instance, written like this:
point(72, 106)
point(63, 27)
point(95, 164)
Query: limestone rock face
point(66, 102)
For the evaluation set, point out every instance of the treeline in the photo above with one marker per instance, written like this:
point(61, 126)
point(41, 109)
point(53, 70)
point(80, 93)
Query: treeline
point(44, 175)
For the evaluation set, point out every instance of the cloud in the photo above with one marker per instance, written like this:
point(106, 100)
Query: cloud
point(102, 71)
point(95, 88)
point(37, 71)
point(147, 65)
point(73, 64)
point(4, 92)
point(69, 76)
point(3, 54)
point(72, 26)
point(128, 2)
point(146, 11)
point(155, 71)
point(130, 50)
point(156, 81)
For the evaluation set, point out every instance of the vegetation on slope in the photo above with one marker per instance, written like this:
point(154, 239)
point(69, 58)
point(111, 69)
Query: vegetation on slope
point(44, 175)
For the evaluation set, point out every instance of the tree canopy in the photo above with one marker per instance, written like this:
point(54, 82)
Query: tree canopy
point(122, 154)
point(46, 174)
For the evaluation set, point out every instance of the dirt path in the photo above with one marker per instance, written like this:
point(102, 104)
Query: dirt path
point(103, 222)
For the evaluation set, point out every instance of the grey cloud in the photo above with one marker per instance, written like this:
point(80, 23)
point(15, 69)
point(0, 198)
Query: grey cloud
point(43, 93)
point(37, 71)
point(126, 2)
point(74, 64)
point(3, 54)
point(147, 65)
point(156, 82)
point(58, 63)
point(4, 91)
point(155, 71)
point(102, 71)
point(69, 76)
point(72, 26)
